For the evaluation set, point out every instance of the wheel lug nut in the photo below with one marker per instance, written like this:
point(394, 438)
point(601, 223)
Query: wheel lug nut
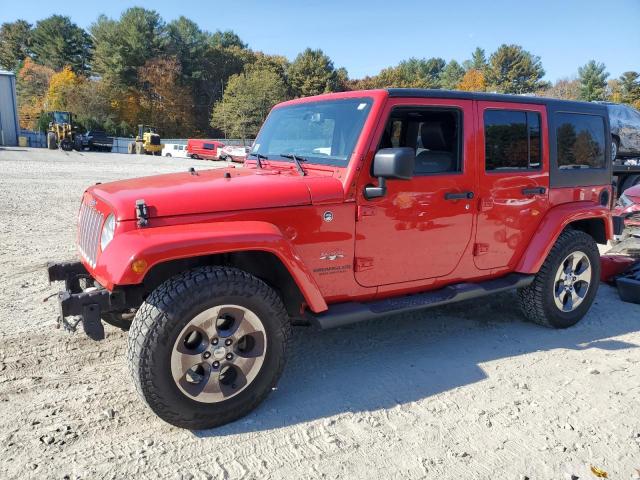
point(216, 364)
point(228, 342)
point(229, 356)
point(214, 341)
point(206, 355)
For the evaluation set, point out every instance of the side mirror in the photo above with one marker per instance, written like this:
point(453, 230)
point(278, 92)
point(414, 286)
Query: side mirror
point(390, 163)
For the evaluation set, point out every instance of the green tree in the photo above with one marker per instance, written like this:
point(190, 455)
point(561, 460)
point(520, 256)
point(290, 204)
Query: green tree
point(124, 46)
point(511, 69)
point(412, 73)
point(247, 101)
point(630, 87)
point(14, 44)
point(56, 42)
point(226, 39)
point(451, 75)
point(478, 61)
point(312, 73)
point(593, 81)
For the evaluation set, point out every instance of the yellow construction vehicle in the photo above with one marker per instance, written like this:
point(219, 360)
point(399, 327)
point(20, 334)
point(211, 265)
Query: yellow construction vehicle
point(147, 141)
point(61, 132)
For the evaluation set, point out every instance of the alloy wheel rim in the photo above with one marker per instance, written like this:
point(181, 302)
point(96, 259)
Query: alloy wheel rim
point(572, 281)
point(218, 353)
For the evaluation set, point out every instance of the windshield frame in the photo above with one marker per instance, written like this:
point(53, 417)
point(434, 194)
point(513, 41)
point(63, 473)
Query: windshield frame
point(307, 157)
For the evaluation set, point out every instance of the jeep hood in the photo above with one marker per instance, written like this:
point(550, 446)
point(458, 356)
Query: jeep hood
point(209, 191)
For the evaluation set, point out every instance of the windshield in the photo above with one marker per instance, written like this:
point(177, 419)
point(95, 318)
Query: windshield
point(61, 117)
point(323, 132)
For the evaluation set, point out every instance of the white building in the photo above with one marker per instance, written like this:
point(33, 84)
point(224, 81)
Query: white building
point(8, 109)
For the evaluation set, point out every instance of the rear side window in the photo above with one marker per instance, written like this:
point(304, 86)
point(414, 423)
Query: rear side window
point(512, 140)
point(581, 142)
point(209, 146)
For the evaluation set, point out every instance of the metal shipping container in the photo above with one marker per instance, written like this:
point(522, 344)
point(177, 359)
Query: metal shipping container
point(8, 109)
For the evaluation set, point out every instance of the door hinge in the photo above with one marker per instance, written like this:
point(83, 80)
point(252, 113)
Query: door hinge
point(361, 264)
point(364, 211)
point(480, 249)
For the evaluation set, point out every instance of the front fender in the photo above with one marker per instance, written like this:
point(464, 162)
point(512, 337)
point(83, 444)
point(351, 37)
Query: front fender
point(161, 244)
point(552, 225)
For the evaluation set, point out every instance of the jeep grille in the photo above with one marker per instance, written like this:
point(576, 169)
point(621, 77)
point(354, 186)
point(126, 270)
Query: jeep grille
point(89, 225)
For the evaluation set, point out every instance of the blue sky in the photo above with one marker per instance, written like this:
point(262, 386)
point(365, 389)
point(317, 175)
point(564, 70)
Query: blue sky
point(365, 36)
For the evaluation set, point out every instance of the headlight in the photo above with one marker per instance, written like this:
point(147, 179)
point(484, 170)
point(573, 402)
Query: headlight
point(107, 231)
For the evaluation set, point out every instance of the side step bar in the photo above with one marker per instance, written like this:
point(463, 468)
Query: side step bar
point(341, 314)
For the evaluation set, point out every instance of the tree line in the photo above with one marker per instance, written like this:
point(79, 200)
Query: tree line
point(189, 82)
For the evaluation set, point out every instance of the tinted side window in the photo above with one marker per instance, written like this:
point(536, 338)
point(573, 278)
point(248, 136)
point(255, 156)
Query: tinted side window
point(434, 133)
point(581, 141)
point(209, 146)
point(512, 140)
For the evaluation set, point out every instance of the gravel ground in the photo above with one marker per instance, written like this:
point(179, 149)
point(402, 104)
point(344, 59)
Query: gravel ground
point(463, 392)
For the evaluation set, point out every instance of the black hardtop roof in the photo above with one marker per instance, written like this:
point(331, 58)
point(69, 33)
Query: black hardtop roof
point(495, 97)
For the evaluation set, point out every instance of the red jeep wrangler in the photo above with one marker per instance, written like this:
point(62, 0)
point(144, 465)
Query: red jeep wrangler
point(351, 206)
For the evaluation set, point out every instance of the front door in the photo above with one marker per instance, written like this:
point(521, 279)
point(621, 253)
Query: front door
point(422, 226)
point(514, 180)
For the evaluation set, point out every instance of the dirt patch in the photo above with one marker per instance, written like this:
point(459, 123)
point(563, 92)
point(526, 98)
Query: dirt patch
point(466, 391)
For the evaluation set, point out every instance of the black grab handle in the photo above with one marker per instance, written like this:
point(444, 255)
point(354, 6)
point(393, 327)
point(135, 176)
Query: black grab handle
point(458, 196)
point(534, 191)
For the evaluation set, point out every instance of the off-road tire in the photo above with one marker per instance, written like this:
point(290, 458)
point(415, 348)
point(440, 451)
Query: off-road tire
point(537, 300)
point(52, 144)
point(139, 149)
point(131, 147)
point(164, 314)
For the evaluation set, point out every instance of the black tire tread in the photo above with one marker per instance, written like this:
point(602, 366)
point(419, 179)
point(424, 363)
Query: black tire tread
point(531, 298)
point(147, 324)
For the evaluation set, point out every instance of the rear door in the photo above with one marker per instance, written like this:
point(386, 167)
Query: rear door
point(514, 180)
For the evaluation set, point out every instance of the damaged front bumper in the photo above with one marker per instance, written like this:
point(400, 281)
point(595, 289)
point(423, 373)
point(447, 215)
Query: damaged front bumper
point(84, 298)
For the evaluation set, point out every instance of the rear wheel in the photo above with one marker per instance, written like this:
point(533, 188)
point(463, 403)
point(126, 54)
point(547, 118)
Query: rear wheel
point(615, 144)
point(564, 288)
point(139, 148)
point(208, 346)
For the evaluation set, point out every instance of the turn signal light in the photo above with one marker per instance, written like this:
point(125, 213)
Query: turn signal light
point(139, 266)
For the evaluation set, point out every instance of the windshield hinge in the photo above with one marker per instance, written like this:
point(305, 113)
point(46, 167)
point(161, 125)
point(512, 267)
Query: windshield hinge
point(142, 214)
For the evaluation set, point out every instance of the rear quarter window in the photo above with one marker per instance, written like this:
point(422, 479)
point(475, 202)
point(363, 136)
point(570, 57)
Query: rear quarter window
point(580, 141)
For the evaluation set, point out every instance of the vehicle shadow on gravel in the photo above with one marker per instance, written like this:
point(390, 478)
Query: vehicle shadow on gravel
point(382, 363)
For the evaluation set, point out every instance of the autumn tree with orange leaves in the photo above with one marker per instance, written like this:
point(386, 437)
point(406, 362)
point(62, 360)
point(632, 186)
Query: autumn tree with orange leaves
point(165, 102)
point(32, 86)
point(473, 81)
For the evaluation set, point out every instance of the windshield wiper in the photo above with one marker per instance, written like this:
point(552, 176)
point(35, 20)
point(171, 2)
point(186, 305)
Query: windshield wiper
point(297, 161)
point(259, 157)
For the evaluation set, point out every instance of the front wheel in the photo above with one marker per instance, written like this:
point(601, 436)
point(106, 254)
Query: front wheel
point(564, 288)
point(207, 346)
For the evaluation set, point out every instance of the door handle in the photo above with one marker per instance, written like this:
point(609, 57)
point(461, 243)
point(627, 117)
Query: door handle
point(534, 191)
point(458, 195)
